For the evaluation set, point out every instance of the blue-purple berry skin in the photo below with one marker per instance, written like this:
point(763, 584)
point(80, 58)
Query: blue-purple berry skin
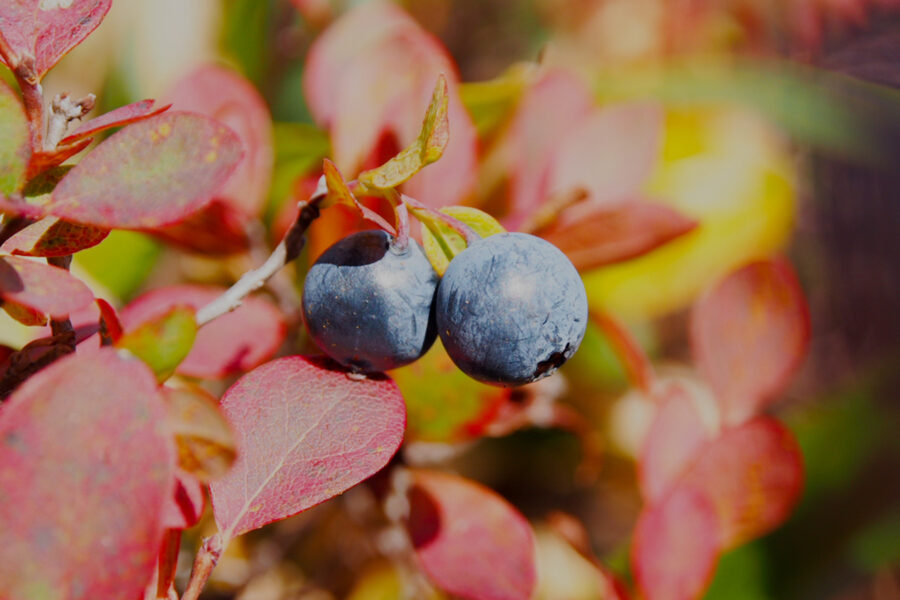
point(369, 306)
point(511, 309)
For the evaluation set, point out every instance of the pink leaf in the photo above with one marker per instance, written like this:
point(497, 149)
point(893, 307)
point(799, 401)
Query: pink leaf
point(546, 112)
point(609, 152)
point(131, 113)
point(47, 29)
point(593, 236)
point(41, 288)
point(306, 432)
point(749, 334)
point(235, 342)
point(676, 546)
point(184, 505)
point(85, 466)
point(51, 236)
point(230, 99)
point(469, 540)
point(217, 229)
point(753, 475)
point(372, 73)
point(149, 174)
point(677, 434)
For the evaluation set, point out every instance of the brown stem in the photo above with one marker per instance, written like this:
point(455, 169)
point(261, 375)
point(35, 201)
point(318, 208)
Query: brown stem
point(167, 562)
point(209, 554)
point(637, 366)
point(32, 96)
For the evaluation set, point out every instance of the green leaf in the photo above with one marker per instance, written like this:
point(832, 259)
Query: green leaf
point(163, 342)
point(121, 262)
point(299, 150)
point(427, 148)
point(441, 243)
point(14, 142)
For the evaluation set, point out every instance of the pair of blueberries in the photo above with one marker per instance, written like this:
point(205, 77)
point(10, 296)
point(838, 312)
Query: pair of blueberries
point(510, 309)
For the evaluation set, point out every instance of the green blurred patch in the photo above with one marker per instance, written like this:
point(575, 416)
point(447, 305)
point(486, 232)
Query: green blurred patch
point(247, 36)
point(740, 575)
point(491, 102)
point(121, 262)
point(877, 546)
point(299, 150)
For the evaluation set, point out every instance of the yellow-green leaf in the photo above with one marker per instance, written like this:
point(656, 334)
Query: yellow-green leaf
point(427, 148)
point(163, 342)
point(441, 243)
point(14, 150)
point(339, 193)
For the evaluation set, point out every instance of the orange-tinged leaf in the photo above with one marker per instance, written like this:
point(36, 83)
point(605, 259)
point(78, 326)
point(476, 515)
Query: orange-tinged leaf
point(371, 73)
point(51, 236)
point(232, 343)
point(749, 334)
point(46, 30)
point(203, 437)
point(469, 540)
point(753, 475)
point(428, 147)
point(149, 174)
point(339, 193)
point(676, 546)
point(86, 465)
point(41, 288)
point(593, 236)
point(305, 432)
point(130, 113)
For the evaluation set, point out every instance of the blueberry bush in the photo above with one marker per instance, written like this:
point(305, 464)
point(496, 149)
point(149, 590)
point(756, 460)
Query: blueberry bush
point(366, 306)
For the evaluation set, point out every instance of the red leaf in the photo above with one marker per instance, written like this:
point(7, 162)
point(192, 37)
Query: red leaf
point(149, 174)
point(108, 323)
point(681, 428)
point(593, 236)
point(41, 288)
point(749, 334)
point(52, 236)
point(232, 343)
point(546, 112)
point(753, 476)
point(230, 99)
point(217, 229)
point(85, 466)
point(371, 73)
point(469, 540)
point(676, 546)
point(609, 153)
point(130, 113)
point(305, 432)
point(184, 505)
point(47, 29)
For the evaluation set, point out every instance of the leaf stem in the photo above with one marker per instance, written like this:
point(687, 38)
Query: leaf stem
point(422, 211)
point(287, 250)
point(206, 560)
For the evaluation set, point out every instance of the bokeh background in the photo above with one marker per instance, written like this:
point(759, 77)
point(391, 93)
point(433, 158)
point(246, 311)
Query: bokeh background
point(781, 133)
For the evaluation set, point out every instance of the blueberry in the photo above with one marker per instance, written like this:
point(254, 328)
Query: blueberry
point(368, 305)
point(511, 309)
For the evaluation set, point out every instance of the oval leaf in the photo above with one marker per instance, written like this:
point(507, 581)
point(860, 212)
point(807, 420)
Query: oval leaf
point(15, 148)
point(593, 236)
point(752, 475)
point(51, 236)
point(306, 432)
point(46, 30)
point(89, 428)
point(204, 439)
point(41, 288)
point(150, 174)
point(441, 243)
point(469, 540)
point(749, 334)
point(235, 342)
point(164, 341)
point(676, 546)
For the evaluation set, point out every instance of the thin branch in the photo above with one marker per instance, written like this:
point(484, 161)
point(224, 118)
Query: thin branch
point(287, 250)
point(23, 69)
point(206, 560)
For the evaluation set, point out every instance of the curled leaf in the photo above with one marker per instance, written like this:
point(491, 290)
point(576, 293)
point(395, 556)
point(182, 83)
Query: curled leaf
point(441, 243)
point(339, 193)
point(203, 437)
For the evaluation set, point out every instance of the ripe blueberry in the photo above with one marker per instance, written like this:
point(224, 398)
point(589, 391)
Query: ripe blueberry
point(368, 305)
point(511, 309)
